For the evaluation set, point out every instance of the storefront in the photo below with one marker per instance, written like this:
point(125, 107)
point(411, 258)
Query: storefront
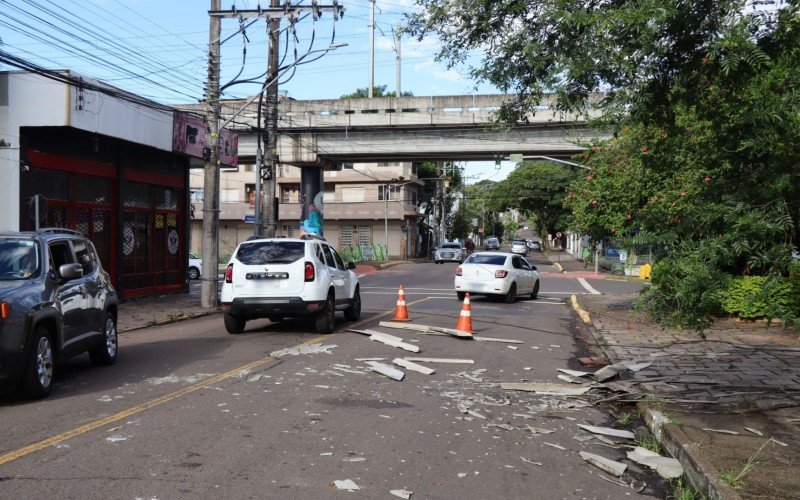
point(130, 200)
point(108, 164)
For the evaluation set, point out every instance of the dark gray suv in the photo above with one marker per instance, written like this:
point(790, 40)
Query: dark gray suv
point(56, 301)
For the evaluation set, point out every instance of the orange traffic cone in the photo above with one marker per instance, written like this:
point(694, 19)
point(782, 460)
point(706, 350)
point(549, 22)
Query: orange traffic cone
point(465, 318)
point(400, 311)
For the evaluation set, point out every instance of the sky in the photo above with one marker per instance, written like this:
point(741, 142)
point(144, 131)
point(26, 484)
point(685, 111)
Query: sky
point(158, 49)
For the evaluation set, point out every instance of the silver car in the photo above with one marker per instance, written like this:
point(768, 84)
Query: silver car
point(450, 252)
point(519, 246)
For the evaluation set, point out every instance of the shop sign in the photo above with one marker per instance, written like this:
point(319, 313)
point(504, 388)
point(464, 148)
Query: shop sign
point(189, 137)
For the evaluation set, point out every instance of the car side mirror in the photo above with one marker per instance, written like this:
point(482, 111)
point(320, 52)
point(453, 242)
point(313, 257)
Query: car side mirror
point(351, 265)
point(70, 271)
point(533, 268)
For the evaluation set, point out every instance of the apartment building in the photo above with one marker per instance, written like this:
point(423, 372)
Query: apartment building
point(360, 201)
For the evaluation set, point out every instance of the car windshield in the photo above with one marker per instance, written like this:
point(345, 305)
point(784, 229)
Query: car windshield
point(478, 258)
point(270, 252)
point(19, 259)
point(451, 245)
point(518, 242)
point(193, 256)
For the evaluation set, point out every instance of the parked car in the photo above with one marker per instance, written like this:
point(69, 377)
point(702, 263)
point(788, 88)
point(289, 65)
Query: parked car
point(492, 243)
point(56, 301)
point(497, 273)
point(280, 277)
point(450, 252)
point(195, 266)
point(534, 245)
point(519, 246)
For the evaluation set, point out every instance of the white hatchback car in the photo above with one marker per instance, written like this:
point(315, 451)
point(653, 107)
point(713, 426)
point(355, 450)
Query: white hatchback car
point(497, 273)
point(280, 277)
point(195, 266)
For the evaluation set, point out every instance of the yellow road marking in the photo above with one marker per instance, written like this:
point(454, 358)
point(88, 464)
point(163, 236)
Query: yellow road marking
point(40, 445)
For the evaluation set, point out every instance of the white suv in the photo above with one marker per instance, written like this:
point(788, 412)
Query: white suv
point(279, 277)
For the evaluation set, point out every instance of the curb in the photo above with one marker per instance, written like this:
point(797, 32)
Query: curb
point(697, 470)
point(393, 263)
point(171, 319)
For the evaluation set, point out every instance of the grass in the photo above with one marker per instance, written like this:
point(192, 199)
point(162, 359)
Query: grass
point(625, 419)
point(681, 490)
point(735, 478)
point(650, 443)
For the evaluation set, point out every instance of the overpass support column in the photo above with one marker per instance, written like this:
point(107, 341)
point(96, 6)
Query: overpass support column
point(311, 199)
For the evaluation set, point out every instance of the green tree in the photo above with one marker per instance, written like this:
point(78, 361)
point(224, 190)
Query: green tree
point(539, 189)
point(377, 91)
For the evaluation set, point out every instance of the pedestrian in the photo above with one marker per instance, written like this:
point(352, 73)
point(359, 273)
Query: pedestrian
point(587, 257)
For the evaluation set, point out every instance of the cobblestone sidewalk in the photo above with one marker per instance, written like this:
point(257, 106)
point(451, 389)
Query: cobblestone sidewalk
point(741, 376)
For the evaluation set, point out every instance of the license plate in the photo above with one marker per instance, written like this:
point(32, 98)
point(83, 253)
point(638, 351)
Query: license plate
point(267, 276)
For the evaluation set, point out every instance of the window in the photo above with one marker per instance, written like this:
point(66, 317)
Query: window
point(290, 193)
point(385, 192)
point(249, 168)
point(196, 195)
point(85, 256)
point(250, 194)
point(271, 252)
point(346, 235)
point(348, 165)
point(329, 256)
point(355, 235)
point(229, 195)
point(352, 194)
point(339, 261)
point(496, 260)
point(516, 263)
point(60, 254)
point(320, 255)
point(388, 163)
point(364, 234)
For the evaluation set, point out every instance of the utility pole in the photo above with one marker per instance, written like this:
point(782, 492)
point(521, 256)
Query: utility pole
point(208, 290)
point(274, 13)
point(397, 56)
point(371, 48)
point(272, 123)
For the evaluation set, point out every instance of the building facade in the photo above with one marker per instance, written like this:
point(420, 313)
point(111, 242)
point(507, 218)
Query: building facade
point(364, 203)
point(103, 162)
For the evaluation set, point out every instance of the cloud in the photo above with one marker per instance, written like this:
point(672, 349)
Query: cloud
point(433, 69)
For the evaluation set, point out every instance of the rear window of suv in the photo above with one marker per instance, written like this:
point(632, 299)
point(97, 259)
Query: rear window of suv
point(270, 252)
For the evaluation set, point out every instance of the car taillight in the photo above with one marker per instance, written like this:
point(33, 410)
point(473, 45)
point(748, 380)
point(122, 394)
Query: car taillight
point(310, 274)
point(5, 309)
point(502, 273)
point(458, 271)
point(229, 274)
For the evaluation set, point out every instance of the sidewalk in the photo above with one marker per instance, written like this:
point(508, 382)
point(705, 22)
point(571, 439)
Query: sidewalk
point(145, 312)
point(728, 407)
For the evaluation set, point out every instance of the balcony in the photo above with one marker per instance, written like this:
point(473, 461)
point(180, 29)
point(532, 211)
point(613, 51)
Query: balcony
point(369, 210)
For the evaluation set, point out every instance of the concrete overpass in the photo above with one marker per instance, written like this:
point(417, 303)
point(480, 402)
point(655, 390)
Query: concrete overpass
point(331, 131)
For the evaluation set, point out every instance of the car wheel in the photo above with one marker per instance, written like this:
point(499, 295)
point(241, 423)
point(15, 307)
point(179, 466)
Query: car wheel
point(37, 380)
point(234, 324)
point(106, 353)
point(276, 319)
point(461, 295)
point(353, 312)
point(535, 292)
point(194, 273)
point(326, 319)
point(511, 296)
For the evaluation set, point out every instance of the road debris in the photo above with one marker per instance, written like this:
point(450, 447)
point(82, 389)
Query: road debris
point(574, 373)
point(306, 349)
point(462, 474)
point(721, 431)
point(387, 339)
point(754, 431)
point(441, 360)
point(402, 493)
point(512, 347)
point(370, 359)
point(530, 461)
point(593, 361)
point(489, 339)
point(346, 484)
point(666, 467)
point(505, 427)
point(603, 463)
point(326, 454)
point(413, 366)
point(537, 430)
point(387, 370)
point(608, 431)
point(556, 446)
point(546, 388)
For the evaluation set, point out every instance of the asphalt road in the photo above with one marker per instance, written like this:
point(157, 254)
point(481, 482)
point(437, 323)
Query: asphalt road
point(191, 411)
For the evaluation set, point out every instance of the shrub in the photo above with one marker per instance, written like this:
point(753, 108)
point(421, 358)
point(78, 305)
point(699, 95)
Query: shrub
point(770, 297)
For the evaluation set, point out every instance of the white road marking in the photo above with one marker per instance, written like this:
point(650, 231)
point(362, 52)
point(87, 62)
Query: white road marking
point(588, 287)
point(406, 288)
